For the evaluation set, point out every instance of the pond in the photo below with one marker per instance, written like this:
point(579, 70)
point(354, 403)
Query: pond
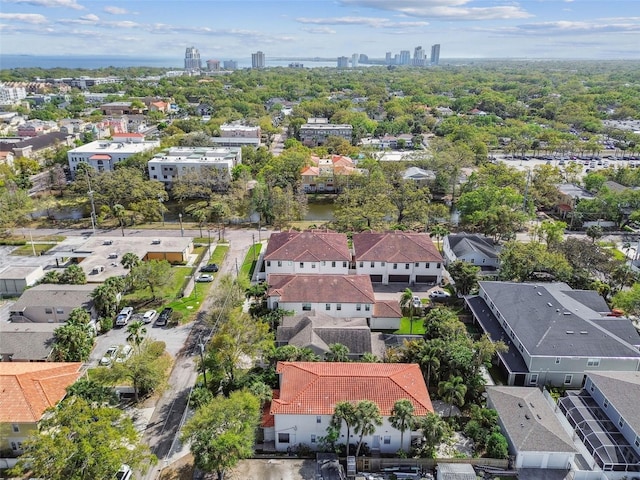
point(319, 209)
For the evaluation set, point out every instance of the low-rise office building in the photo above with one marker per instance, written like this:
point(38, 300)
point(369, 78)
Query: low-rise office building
point(317, 130)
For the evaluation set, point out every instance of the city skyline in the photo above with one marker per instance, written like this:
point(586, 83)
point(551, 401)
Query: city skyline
point(577, 29)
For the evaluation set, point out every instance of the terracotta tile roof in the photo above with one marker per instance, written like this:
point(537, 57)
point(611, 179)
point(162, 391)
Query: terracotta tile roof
point(128, 135)
point(387, 309)
point(321, 288)
point(395, 247)
point(29, 388)
point(310, 171)
point(308, 246)
point(314, 388)
point(268, 420)
point(100, 156)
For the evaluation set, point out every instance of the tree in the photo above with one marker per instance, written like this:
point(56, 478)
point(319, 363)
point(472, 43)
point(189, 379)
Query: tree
point(406, 305)
point(367, 418)
point(434, 430)
point(594, 232)
point(524, 261)
point(136, 332)
point(402, 418)
point(120, 213)
point(129, 260)
point(364, 206)
point(73, 341)
point(452, 391)
point(221, 432)
point(153, 274)
point(105, 300)
point(79, 440)
point(439, 231)
point(73, 275)
point(344, 412)
point(337, 353)
point(497, 446)
point(464, 275)
point(92, 392)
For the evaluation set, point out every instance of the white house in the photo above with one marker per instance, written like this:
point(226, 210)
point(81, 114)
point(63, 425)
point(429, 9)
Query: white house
point(471, 248)
point(342, 296)
point(397, 257)
point(307, 253)
point(555, 335)
point(309, 392)
point(535, 435)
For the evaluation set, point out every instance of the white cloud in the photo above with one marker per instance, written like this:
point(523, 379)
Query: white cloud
point(563, 27)
point(116, 10)
point(319, 30)
point(366, 21)
point(443, 9)
point(50, 3)
point(33, 18)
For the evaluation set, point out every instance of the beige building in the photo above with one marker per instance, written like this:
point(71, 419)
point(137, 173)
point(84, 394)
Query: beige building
point(51, 303)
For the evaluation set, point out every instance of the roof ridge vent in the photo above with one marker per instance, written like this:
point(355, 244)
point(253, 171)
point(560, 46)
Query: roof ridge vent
point(570, 332)
point(550, 304)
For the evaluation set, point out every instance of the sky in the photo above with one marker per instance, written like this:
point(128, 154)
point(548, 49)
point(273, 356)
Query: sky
point(233, 29)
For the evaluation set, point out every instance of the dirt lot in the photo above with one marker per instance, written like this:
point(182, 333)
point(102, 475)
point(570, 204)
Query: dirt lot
point(276, 469)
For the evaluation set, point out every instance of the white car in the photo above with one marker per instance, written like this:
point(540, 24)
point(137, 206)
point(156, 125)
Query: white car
point(205, 278)
point(149, 316)
point(109, 355)
point(123, 317)
point(417, 303)
point(124, 353)
point(439, 294)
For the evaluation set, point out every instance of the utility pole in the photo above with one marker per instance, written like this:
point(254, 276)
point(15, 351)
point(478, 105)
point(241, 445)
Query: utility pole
point(93, 206)
point(253, 246)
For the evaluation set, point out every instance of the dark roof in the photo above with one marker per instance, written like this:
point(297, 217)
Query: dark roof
point(308, 247)
point(395, 247)
point(37, 143)
point(53, 295)
point(321, 288)
point(26, 341)
point(528, 420)
point(551, 319)
point(463, 243)
point(622, 390)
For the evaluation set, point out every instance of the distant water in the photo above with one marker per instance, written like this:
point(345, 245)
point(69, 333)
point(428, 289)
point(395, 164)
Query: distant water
point(94, 62)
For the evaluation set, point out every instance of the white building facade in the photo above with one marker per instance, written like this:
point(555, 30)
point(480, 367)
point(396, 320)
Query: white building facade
point(169, 165)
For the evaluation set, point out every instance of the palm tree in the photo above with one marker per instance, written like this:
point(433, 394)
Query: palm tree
point(337, 353)
point(434, 430)
point(129, 260)
point(406, 305)
point(452, 392)
point(368, 357)
point(430, 360)
point(136, 332)
point(105, 300)
point(402, 417)
point(120, 212)
point(367, 419)
point(344, 412)
point(439, 231)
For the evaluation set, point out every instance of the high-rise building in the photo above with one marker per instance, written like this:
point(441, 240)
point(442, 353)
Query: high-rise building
point(435, 54)
point(230, 65)
point(364, 58)
point(388, 59)
point(343, 62)
point(418, 56)
point(354, 60)
point(192, 59)
point(213, 65)
point(257, 60)
point(405, 57)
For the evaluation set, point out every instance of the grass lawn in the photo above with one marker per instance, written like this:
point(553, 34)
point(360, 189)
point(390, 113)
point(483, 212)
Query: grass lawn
point(218, 254)
point(187, 307)
point(27, 250)
point(405, 327)
point(170, 291)
point(250, 260)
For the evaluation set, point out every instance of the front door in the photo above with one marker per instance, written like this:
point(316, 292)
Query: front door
point(376, 442)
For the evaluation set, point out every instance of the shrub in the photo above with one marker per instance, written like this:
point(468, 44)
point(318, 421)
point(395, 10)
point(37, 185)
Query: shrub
point(156, 349)
point(106, 324)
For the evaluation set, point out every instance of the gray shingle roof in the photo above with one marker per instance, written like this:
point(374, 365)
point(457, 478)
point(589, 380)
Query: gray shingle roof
point(52, 295)
point(529, 420)
point(551, 319)
point(622, 389)
point(464, 243)
point(26, 341)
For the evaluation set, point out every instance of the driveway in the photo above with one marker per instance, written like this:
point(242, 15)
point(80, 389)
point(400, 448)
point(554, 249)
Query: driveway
point(274, 469)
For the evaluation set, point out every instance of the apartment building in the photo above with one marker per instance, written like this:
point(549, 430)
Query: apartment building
point(169, 165)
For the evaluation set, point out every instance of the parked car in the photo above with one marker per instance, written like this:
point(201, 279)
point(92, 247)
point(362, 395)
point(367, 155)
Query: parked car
point(417, 303)
point(124, 473)
point(124, 353)
point(109, 355)
point(212, 267)
point(439, 294)
point(149, 316)
point(124, 316)
point(205, 278)
point(164, 317)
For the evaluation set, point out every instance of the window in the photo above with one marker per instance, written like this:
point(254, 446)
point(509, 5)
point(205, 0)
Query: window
point(513, 335)
point(338, 306)
point(437, 265)
point(606, 404)
point(367, 308)
point(344, 264)
point(373, 264)
point(313, 265)
point(268, 263)
point(592, 388)
point(521, 348)
point(301, 264)
point(155, 177)
point(533, 379)
point(568, 379)
point(637, 442)
point(621, 422)
point(283, 437)
point(382, 264)
point(333, 264)
point(558, 360)
point(358, 307)
point(14, 446)
point(323, 263)
point(306, 307)
point(313, 438)
point(361, 264)
point(395, 266)
point(153, 168)
point(15, 427)
point(318, 419)
point(593, 362)
point(387, 439)
point(327, 306)
point(417, 264)
point(48, 310)
point(279, 263)
point(406, 266)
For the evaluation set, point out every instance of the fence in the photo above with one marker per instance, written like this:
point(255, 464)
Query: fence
point(378, 464)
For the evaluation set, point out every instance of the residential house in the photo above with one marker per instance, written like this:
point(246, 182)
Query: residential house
point(28, 390)
point(26, 342)
point(535, 435)
point(328, 174)
point(36, 147)
point(318, 331)
point(311, 252)
point(569, 195)
point(419, 175)
point(120, 108)
point(317, 131)
point(386, 315)
point(51, 303)
point(309, 392)
point(555, 335)
point(33, 128)
point(342, 296)
point(471, 248)
point(604, 418)
point(397, 257)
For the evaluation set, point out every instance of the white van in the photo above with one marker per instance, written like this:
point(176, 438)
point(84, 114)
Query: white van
point(123, 317)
